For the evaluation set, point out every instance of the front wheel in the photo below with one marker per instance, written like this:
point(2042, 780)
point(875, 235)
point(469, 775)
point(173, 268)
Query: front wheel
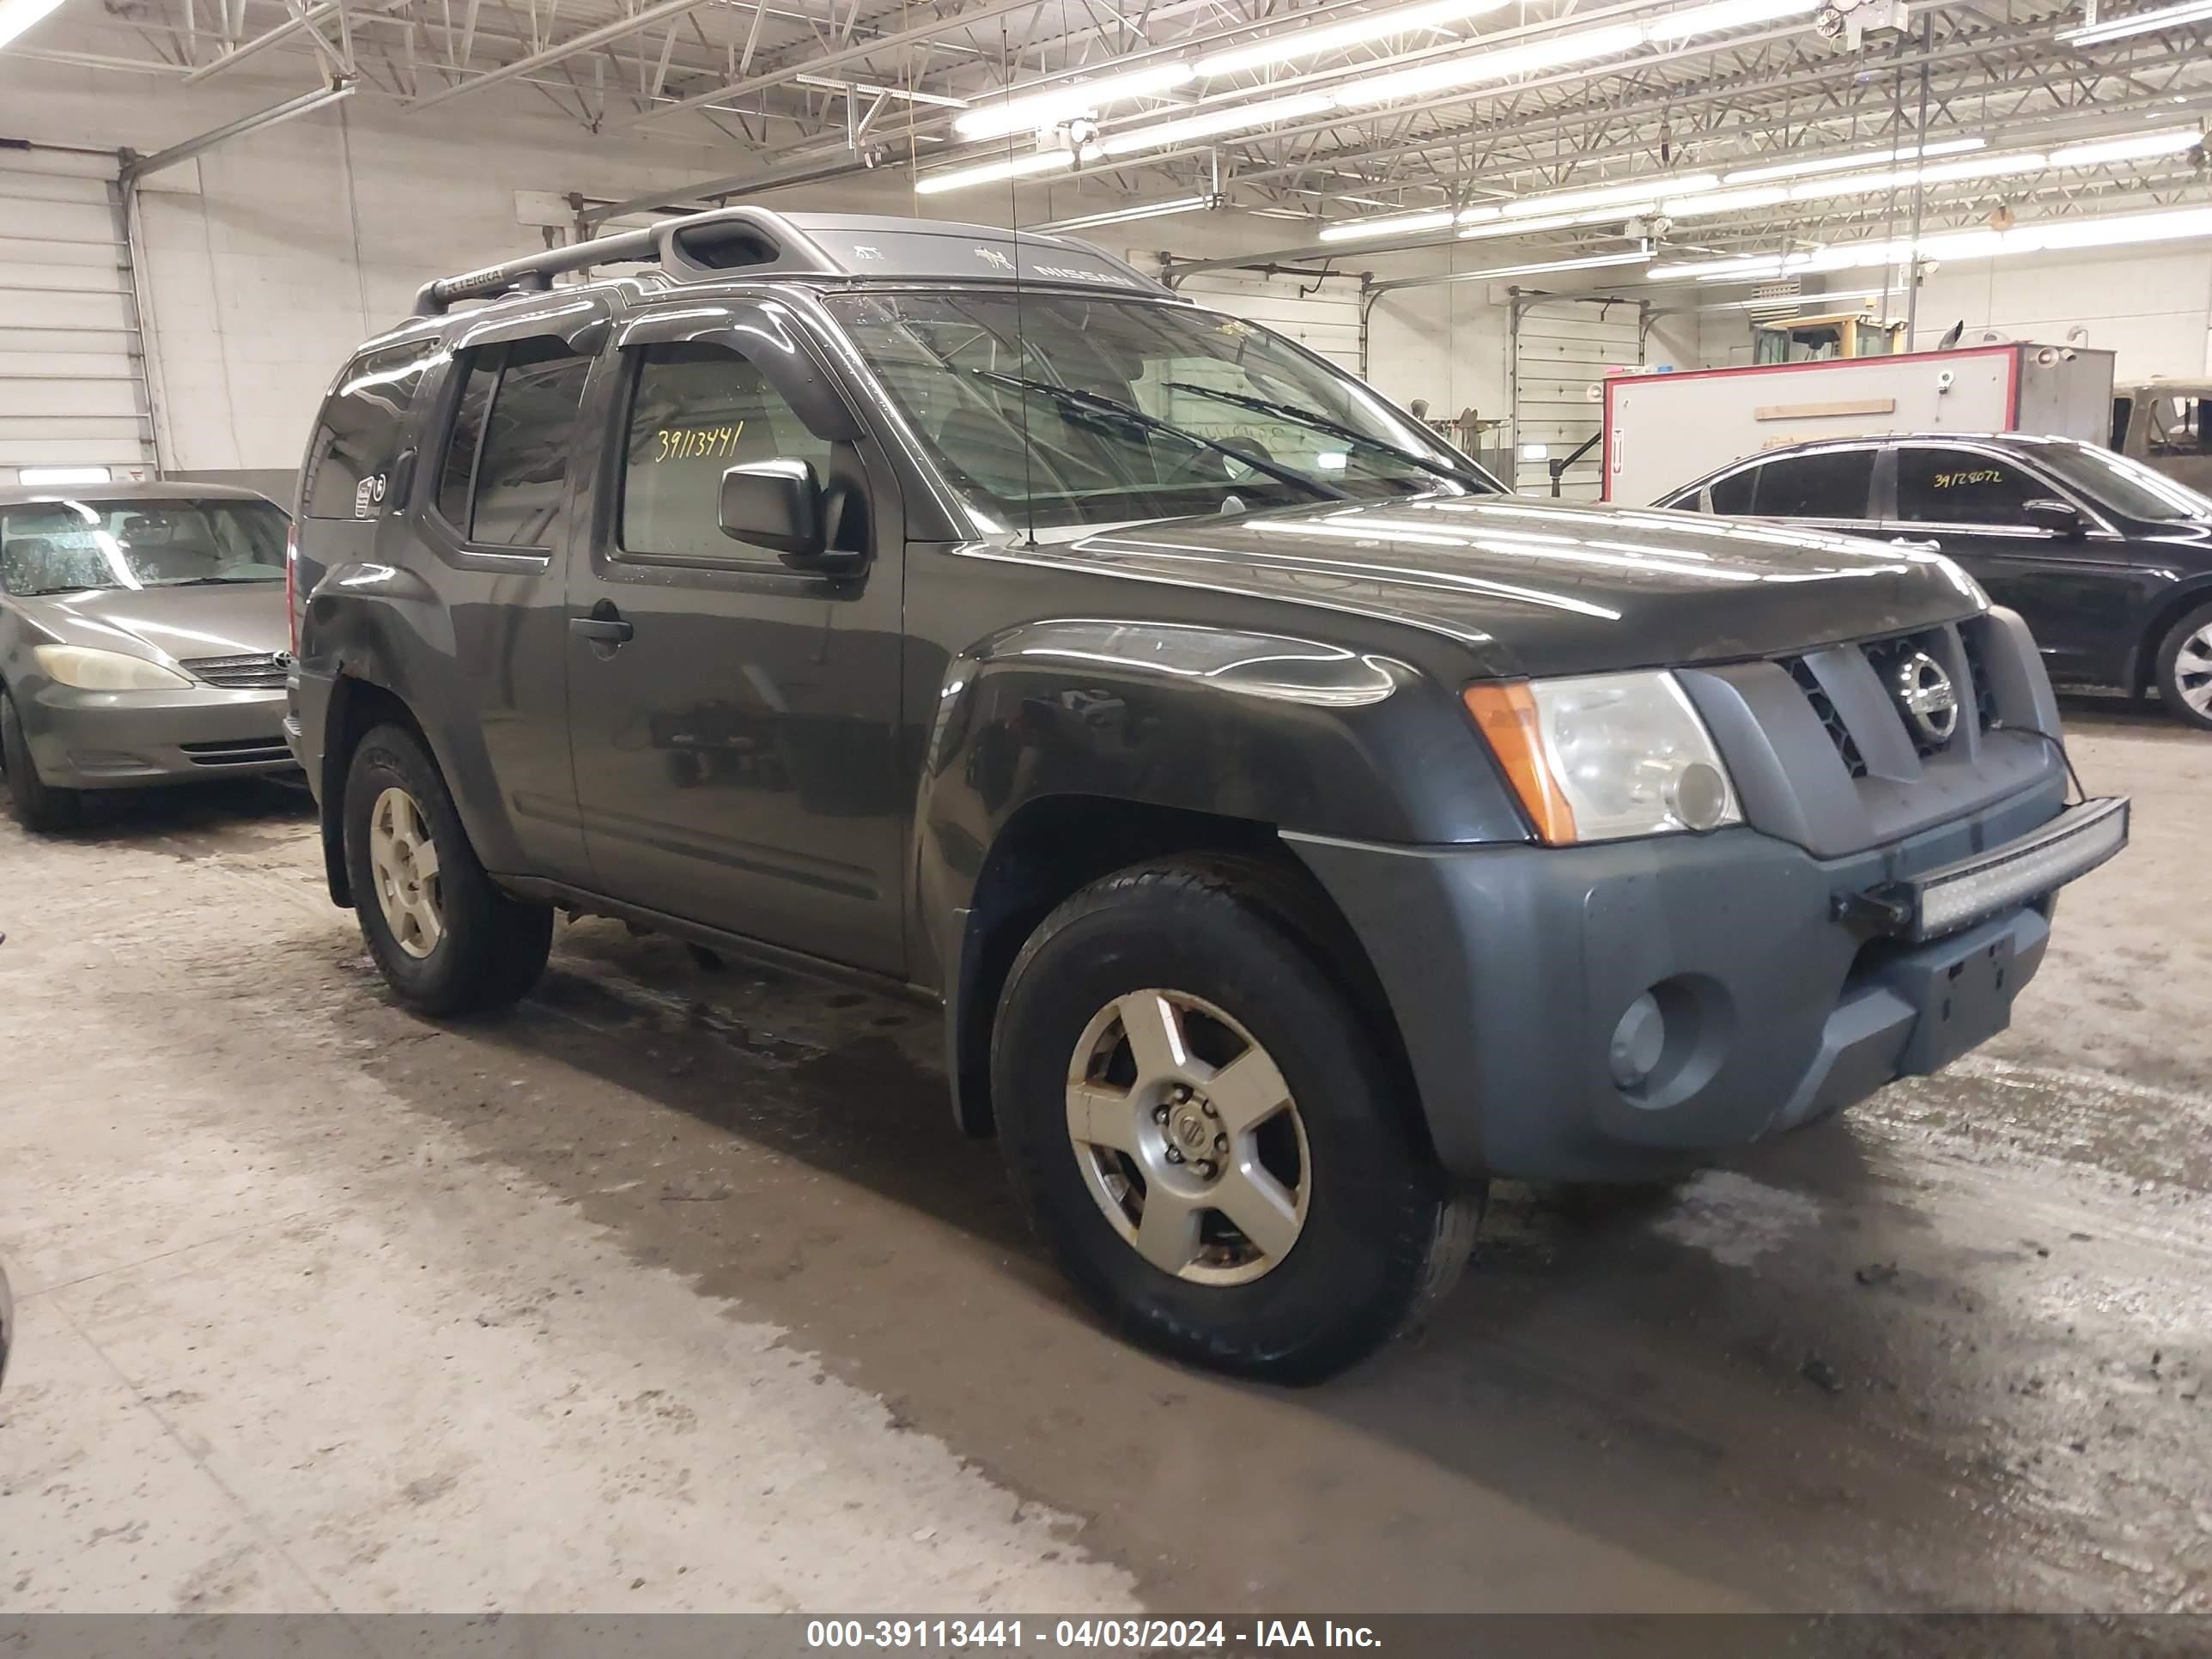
point(447, 940)
point(1208, 1136)
point(39, 806)
point(2185, 668)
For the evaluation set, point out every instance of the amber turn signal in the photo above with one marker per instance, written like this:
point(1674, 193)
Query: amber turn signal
point(1507, 712)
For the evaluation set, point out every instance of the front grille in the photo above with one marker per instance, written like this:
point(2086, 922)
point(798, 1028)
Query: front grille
point(1838, 733)
point(239, 751)
point(1985, 697)
point(257, 671)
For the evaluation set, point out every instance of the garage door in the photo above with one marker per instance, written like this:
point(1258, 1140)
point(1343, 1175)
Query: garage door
point(1563, 349)
point(72, 380)
point(1325, 321)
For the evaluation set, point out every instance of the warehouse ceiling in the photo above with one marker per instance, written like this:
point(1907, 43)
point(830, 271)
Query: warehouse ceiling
point(1575, 97)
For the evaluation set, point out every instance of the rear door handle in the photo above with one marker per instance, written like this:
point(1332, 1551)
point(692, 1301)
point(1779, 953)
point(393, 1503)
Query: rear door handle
point(1916, 546)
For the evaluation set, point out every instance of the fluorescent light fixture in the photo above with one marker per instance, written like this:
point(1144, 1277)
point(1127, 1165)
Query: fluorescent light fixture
point(1557, 53)
point(1048, 107)
point(1725, 15)
point(1125, 216)
point(1535, 452)
point(1517, 227)
point(1205, 125)
point(1016, 167)
point(1874, 158)
point(1593, 262)
point(1944, 173)
point(1375, 26)
point(2134, 22)
point(34, 477)
point(1750, 265)
point(1722, 201)
point(874, 90)
point(2169, 141)
point(16, 16)
point(1402, 224)
point(1633, 190)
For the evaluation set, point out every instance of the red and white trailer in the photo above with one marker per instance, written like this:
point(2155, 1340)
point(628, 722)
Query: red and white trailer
point(1661, 431)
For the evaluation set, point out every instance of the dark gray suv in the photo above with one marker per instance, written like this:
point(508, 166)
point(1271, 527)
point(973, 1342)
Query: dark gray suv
point(1294, 829)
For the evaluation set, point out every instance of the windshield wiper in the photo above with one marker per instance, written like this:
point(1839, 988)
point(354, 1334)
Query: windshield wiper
point(1137, 418)
point(1335, 428)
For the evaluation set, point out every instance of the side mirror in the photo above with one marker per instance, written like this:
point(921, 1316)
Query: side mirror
point(2062, 518)
point(775, 504)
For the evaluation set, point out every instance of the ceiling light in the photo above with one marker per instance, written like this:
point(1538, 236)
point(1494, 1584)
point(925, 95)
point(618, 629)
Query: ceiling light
point(1748, 265)
point(1016, 167)
point(1946, 173)
point(1724, 14)
point(2138, 22)
point(2172, 141)
point(1517, 226)
point(1722, 201)
point(16, 16)
point(1034, 111)
point(1403, 224)
point(1498, 65)
point(1634, 190)
point(1594, 262)
point(1124, 216)
point(34, 476)
point(1375, 26)
point(1241, 116)
point(1844, 163)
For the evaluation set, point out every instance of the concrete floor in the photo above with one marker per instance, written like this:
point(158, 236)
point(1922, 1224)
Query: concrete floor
point(674, 1290)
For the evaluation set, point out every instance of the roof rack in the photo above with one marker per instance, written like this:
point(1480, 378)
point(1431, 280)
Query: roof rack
point(702, 246)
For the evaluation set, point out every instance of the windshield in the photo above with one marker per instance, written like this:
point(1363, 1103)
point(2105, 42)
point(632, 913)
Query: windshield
point(2124, 485)
point(1051, 411)
point(64, 547)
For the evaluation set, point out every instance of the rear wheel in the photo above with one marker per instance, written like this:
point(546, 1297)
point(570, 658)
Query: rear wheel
point(38, 806)
point(448, 940)
point(1210, 1138)
point(2185, 668)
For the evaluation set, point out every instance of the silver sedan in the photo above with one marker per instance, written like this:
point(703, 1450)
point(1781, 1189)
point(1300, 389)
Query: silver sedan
point(143, 634)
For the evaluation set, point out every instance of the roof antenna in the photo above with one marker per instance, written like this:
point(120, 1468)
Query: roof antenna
point(1021, 337)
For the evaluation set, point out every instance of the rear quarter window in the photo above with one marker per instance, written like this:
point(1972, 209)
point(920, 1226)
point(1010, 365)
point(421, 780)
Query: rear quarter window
point(363, 426)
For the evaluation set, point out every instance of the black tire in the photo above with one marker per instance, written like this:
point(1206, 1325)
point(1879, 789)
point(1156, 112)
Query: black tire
point(38, 806)
point(494, 947)
point(1385, 1232)
point(2176, 678)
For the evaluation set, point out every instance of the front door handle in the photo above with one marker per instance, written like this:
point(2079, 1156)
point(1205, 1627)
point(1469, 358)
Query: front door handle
point(1916, 546)
point(605, 628)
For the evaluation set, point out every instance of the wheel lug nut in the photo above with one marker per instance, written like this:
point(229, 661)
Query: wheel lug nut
point(1159, 1113)
point(1221, 1143)
point(1209, 1109)
point(1182, 1096)
point(1206, 1168)
point(1174, 1155)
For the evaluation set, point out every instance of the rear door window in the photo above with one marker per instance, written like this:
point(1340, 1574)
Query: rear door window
point(363, 426)
point(2177, 426)
point(1830, 483)
point(1963, 487)
point(1733, 493)
point(502, 481)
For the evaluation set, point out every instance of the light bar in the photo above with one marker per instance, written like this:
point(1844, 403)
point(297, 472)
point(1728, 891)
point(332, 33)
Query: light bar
point(875, 90)
point(1502, 63)
point(1875, 158)
point(1633, 190)
point(1945, 172)
point(16, 16)
point(1375, 26)
point(1594, 262)
point(2169, 141)
point(1125, 216)
point(1516, 227)
point(34, 477)
point(1722, 201)
point(1034, 112)
point(2138, 22)
point(1401, 224)
point(1016, 167)
point(1205, 125)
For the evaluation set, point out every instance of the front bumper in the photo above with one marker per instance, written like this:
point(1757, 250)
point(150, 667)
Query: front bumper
point(124, 740)
point(1781, 998)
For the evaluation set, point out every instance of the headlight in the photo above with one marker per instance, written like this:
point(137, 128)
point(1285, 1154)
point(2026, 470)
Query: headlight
point(85, 670)
point(1606, 755)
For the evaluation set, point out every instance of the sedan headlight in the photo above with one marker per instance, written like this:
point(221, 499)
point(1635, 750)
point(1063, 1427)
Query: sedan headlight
point(1603, 757)
point(83, 669)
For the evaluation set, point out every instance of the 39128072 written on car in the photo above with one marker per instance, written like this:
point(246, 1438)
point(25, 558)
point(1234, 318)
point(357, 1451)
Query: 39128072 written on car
point(1295, 830)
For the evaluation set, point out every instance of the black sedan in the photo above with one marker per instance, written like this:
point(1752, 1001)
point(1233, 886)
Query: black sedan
point(2110, 561)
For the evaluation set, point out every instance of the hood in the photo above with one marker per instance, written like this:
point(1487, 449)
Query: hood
point(232, 619)
point(1544, 588)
